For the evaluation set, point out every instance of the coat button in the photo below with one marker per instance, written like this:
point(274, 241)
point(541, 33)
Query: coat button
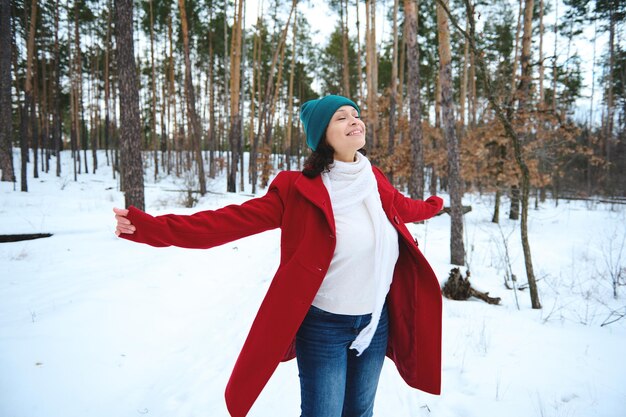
point(396, 219)
point(415, 240)
point(331, 236)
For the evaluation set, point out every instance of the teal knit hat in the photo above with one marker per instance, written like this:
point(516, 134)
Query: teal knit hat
point(316, 114)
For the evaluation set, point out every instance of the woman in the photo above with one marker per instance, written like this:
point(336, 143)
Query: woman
point(352, 286)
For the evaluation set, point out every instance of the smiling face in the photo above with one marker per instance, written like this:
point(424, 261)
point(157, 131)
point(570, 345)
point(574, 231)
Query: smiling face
point(345, 133)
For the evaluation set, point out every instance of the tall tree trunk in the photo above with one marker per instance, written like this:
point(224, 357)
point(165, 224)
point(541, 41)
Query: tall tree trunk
point(292, 69)
point(235, 134)
point(172, 105)
point(256, 84)
point(610, 105)
point(526, 78)
point(541, 65)
point(107, 86)
point(515, 202)
point(56, 100)
point(374, 46)
point(371, 73)
point(401, 78)
point(523, 100)
point(34, 120)
point(130, 133)
point(153, 136)
point(416, 180)
point(44, 118)
point(266, 110)
point(212, 130)
point(269, 124)
point(518, 30)
point(496, 207)
point(72, 77)
point(593, 72)
point(358, 52)
point(473, 101)
point(344, 47)
point(524, 103)
point(29, 104)
point(554, 55)
point(394, 91)
point(438, 100)
point(78, 91)
point(211, 133)
point(6, 114)
point(94, 113)
point(194, 123)
point(457, 247)
point(242, 141)
point(463, 89)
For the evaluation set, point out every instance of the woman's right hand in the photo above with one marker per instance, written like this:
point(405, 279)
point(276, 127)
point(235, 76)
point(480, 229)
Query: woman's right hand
point(123, 224)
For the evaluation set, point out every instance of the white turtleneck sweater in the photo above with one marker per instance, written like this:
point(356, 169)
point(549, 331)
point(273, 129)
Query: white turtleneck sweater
point(366, 251)
point(350, 286)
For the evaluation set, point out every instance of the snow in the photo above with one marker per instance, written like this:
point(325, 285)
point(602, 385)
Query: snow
point(92, 325)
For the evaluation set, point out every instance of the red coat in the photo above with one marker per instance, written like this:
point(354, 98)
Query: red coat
point(301, 208)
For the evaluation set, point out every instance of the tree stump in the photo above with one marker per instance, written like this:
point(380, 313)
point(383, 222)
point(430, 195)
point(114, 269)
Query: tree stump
point(459, 288)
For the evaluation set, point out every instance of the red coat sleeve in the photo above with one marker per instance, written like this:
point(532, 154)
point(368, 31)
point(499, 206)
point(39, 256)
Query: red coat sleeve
point(413, 210)
point(210, 228)
point(417, 210)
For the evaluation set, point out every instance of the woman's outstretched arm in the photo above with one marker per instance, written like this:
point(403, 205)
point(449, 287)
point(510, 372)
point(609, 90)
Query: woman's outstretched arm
point(417, 210)
point(412, 210)
point(208, 228)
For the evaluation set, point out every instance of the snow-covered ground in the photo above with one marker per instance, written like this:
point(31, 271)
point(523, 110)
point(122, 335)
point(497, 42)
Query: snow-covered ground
point(95, 326)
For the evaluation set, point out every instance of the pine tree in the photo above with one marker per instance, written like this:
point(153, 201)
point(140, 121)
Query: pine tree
point(457, 247)
point(130, 138)
point(6, 116)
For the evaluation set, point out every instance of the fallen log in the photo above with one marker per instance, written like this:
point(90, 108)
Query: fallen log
point(18, 238)
point(459, 288)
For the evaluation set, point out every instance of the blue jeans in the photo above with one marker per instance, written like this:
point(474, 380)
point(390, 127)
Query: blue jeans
point(334, 381)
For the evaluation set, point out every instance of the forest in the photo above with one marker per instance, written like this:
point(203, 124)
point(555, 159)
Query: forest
point(522, 99)
point(513, 111)
point(207, 89)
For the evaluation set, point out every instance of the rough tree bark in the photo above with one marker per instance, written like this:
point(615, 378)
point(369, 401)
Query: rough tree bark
point(416, 181)
point(56, 99)
point(130, 134)
point(29, 104)
point(192, 115)
point(234, 136)
point(394, 91)
point(463, 89)
point(370, 71)
point(344, 47)
point(358, 53)
point(541, 65)
point(6, 115)
point(523, 108)
point(153, 137)
point(292, 68)
point(266, 109)
point(457, 247)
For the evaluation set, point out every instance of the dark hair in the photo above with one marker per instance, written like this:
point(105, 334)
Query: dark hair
point(321, 159)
